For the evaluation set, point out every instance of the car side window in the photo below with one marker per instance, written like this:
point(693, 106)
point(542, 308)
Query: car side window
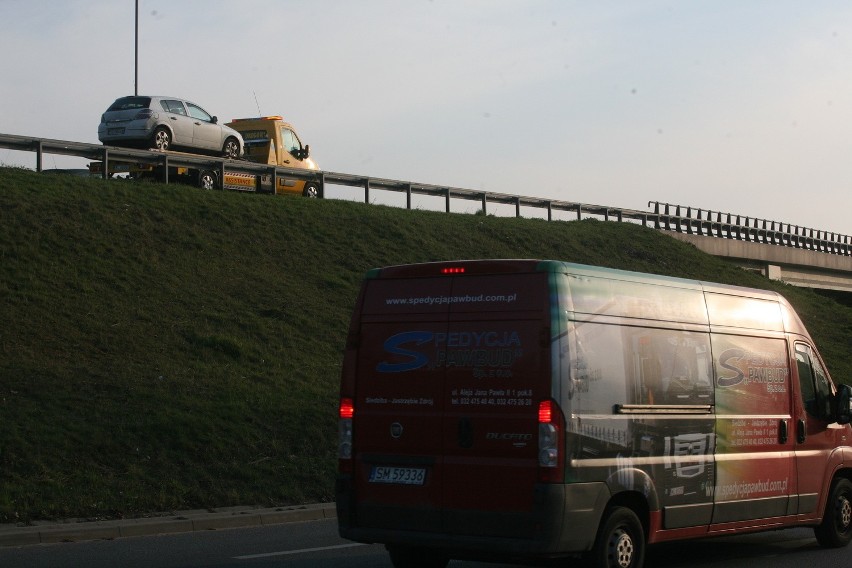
point(174, 107)
point(291, 141)
point(814, 383)
point(196, 111)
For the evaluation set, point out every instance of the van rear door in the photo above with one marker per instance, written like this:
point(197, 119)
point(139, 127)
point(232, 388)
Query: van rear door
point(497, 371)
point(450, 372)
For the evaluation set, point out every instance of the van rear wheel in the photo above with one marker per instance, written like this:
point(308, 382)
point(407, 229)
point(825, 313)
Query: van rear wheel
point(620, 542)
point(835, 530)
point(405, 557)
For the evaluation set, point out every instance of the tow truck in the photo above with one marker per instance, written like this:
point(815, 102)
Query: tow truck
point(269, 140)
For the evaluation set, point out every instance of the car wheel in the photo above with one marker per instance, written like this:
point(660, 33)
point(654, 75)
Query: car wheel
point(835, 530)
point(312, 190)
point(231, 149)
point(207, 179)
point(620, 542)
point(162, 138)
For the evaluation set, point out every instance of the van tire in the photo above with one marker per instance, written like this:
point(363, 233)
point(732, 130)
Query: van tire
point(620, 542)
point(835, 530)
point(406, 557)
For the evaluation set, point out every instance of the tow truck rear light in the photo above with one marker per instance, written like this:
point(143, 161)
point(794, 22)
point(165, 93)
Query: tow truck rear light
point(344, 437)
point(453, 270)
point(551, 459)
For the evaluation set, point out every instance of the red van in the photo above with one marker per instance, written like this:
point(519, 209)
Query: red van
point(525, 409)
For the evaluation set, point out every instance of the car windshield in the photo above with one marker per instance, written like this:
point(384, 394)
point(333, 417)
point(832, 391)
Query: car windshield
point(130, 103)
point(196, 111)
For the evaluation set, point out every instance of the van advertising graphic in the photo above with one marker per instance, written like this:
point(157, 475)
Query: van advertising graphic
point(487, 349)
point(752, 399)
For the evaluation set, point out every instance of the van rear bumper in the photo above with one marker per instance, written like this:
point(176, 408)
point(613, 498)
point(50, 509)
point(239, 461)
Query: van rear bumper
point(563, 520)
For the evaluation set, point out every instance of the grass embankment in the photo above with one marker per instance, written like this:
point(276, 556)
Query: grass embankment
point(163, 347)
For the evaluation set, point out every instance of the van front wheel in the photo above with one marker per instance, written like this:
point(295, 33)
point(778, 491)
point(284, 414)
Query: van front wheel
point(405, 557)
point(835, 530)
point(620, 542)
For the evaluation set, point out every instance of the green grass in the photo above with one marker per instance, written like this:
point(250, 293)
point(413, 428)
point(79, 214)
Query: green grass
point(163, 348)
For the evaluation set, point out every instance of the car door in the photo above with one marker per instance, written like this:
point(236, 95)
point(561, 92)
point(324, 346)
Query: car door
point(206, 134)
point(178, 120)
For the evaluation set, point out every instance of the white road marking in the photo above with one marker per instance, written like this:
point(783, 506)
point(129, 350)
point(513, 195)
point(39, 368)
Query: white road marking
point(302, 551)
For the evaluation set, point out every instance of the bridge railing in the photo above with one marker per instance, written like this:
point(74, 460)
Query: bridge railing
point(705, 222)
point(665, 216)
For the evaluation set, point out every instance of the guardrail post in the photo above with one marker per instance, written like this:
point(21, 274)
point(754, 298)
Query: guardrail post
point(484, 204)
point(105, 172)
point(165, 168)
point(367, 191)
point(579, 212)
point(448, 200)
point(408, 196)
point(273, 177)
point(39, 155)
point(550, 211)
point(517, 206)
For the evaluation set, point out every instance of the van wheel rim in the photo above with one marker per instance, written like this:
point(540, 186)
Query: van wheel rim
point(621, 549)
point(844, 513)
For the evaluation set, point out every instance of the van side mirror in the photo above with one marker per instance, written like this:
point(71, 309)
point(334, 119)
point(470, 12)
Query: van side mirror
point(843, 404)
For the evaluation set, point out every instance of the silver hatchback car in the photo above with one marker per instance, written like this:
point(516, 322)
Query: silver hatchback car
point(166, 123)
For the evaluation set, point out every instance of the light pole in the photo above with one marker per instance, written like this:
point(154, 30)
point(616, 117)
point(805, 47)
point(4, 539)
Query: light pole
point(136, 66)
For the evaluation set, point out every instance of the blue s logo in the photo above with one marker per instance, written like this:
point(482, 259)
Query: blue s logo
point(412, 359)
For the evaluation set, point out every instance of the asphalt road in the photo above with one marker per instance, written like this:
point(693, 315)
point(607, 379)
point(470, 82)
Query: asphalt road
point(316, 544)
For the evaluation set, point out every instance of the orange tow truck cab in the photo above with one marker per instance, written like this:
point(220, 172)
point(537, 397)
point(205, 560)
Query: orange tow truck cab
point(534, 409)
point(271, 140)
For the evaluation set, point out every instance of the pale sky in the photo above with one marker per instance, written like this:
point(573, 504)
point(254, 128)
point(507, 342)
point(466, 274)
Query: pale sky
point(739, 106)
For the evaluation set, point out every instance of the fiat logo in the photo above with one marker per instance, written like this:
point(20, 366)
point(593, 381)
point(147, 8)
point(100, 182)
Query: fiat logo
point(396, 430)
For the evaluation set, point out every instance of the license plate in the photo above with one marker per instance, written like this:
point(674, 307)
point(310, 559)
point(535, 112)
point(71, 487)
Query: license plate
point(115, 131)
point(398, 475)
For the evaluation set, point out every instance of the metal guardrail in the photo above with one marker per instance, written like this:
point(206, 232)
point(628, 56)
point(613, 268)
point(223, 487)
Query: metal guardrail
point(665, 216)
point(704, 222)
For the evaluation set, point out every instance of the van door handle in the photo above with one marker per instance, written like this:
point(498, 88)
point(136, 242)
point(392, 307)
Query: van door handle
point(800, 431)
point(782, 432)
point(465, 433)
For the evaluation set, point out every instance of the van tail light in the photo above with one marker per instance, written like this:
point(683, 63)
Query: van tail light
point(344, 435)
point(551, 450)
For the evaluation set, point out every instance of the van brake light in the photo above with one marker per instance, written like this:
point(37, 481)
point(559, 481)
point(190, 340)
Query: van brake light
point(545, 411)
point(551, 458)
point(344, 435)
point(347, 408)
